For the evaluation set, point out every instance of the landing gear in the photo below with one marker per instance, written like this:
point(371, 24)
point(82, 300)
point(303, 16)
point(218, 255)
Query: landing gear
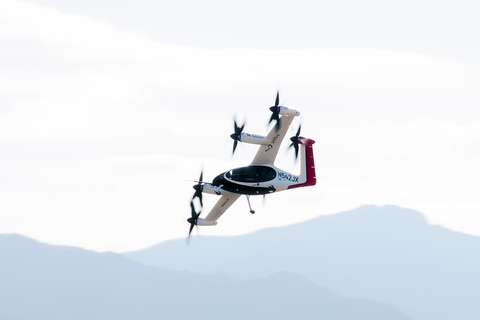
point(248, 200)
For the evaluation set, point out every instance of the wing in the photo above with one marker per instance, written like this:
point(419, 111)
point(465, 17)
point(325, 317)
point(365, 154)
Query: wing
point(225, 201)
point(267, 154)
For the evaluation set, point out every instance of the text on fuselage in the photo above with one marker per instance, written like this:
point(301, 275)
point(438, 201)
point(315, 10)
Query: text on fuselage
point(270, 146)
point(287, 176)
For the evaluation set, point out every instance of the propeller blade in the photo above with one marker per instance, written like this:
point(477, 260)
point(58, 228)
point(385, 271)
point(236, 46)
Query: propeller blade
point(193, 220)
point(191, 228)
point(273, 117)
point(198, 194)
point(235, 127)
point(234, 146)
point(298, 132)
point(295, 141)
point(194, 213)
point(237, 135)
point(237, 130)
point(241, 129)
point(198, 190)
point(275, 112)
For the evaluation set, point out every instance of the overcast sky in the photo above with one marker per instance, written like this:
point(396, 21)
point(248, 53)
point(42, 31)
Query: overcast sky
point(106, 110)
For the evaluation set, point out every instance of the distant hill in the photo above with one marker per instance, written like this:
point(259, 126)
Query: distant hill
point(386, 254)
point(40, 282)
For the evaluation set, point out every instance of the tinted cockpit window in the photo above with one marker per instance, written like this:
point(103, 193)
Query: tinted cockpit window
point(252, 174)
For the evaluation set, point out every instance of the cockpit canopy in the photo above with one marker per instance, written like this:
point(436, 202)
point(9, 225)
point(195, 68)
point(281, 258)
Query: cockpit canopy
point(252, 174)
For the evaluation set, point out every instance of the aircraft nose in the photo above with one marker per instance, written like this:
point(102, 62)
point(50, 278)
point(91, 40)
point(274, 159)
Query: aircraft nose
point(197, 187)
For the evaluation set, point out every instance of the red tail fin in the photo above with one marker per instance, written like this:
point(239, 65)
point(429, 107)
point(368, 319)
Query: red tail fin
point(309, 164)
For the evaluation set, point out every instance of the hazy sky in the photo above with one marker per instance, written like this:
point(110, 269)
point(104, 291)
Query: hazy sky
point(106, 109)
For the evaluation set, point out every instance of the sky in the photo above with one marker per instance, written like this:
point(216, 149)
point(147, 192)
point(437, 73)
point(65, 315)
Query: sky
point(108, 109)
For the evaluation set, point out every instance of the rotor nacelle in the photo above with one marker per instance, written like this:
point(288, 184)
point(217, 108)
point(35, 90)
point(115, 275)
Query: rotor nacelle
point(211, 189)
point(289, 112)
point(203, 222)
point(253, 138)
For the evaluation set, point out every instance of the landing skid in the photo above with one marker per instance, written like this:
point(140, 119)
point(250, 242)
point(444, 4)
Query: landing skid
point(248, 200)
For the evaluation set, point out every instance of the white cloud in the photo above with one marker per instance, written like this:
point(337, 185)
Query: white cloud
point(424, 137)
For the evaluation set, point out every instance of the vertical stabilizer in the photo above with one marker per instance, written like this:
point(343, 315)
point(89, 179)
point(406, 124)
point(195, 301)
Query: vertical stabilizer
point(307, 166)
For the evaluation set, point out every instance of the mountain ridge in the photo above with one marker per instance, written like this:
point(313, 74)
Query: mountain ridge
point(388, 254)
point(41, 281)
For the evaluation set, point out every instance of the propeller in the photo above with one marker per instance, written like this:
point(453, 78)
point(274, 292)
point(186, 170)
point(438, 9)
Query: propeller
point(198, 189)
point(193, 220)
point(295, 141)
point(276, 112)
point(237, 135)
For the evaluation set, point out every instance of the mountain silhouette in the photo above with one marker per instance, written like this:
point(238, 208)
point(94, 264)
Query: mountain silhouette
point(40, 281)
point(386, 254)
